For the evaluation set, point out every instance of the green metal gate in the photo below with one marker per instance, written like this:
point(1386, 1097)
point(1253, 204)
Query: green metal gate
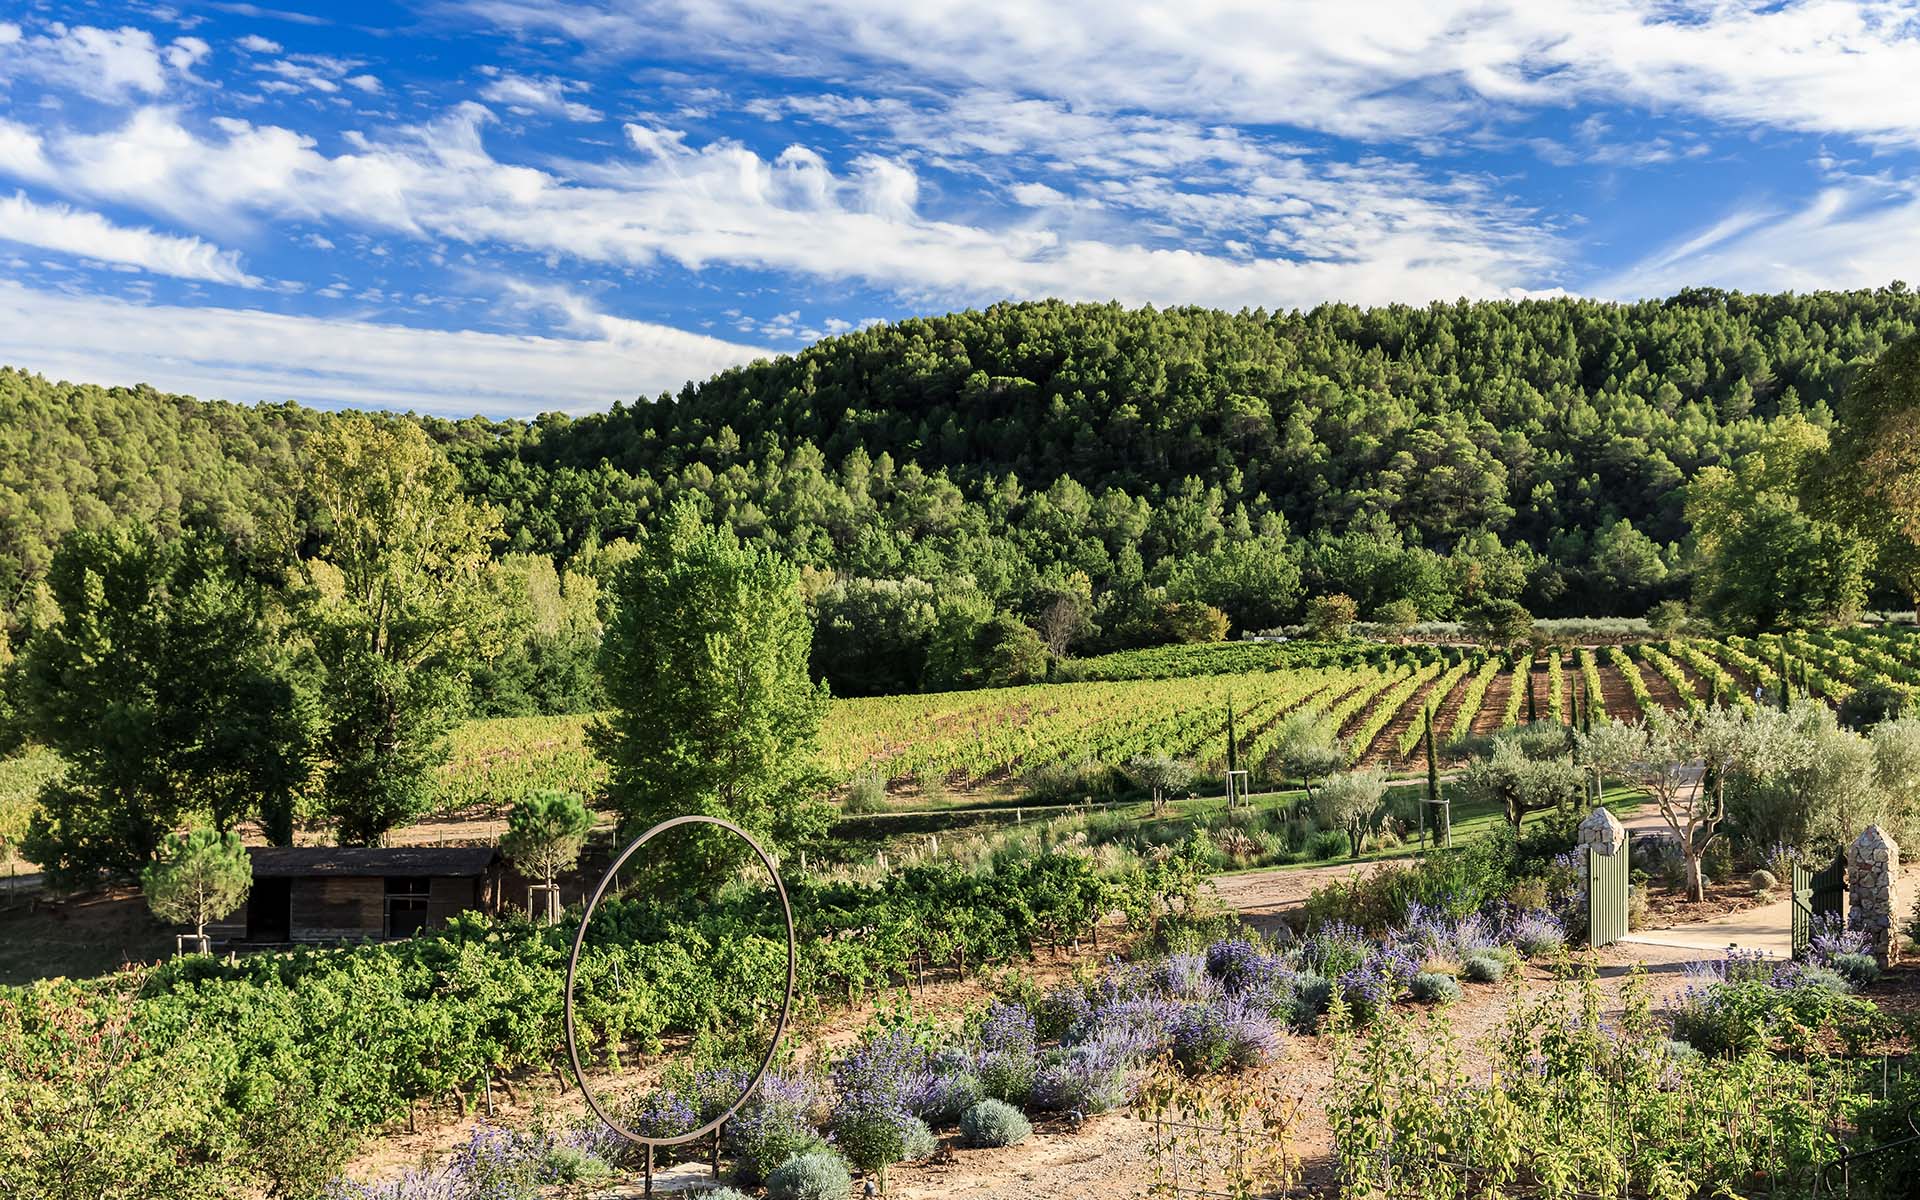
point(1817, 894)
point(1606, 897)
point(1802, 909)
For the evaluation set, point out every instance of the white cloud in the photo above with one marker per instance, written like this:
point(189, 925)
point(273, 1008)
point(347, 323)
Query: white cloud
point(545, 96)
point(1400, 68)
point(1367, 232)
point(105, 64)
point(255, 44)
point(323, 73)
point(253, 356)
point(1856, 232)
point(90, 235)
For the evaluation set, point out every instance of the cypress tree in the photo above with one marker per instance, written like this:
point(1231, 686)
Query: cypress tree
point(1442, 827)
point(1786, 682)
point(1533, 707)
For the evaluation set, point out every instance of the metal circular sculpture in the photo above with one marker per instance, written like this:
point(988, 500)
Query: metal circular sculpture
point(786, 1004)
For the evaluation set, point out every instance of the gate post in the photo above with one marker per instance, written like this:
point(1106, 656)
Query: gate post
point(1603, 846)
point(1873, 879)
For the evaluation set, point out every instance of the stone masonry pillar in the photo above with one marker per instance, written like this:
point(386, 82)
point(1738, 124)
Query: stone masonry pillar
point(1604, 832)
point(1873, 878)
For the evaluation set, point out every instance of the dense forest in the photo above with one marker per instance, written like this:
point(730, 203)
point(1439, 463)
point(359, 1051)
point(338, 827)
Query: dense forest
point(1096, 472)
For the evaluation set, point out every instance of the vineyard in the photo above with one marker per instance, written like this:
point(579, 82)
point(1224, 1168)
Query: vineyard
point(978, 739)
point(1376, 696)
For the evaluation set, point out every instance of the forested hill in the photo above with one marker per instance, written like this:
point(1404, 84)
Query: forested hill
point(1520, 418)
point(1536, 450)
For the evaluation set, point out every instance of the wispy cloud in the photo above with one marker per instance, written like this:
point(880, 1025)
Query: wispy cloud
point(254, 356)
point(90, 235)
point(543, 95)
point(1855, 232)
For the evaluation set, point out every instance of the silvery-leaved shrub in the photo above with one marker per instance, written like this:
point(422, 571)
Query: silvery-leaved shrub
point(1483, 968)
point(820, 1175)
point(916, 1140)
point(1434, 987)
point(1857, 969)
point(994, 1123)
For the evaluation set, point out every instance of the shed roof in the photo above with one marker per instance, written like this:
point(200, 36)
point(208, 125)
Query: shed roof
point(451, 861)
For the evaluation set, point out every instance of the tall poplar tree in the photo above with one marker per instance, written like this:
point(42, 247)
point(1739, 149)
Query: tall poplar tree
point(397, 609)
point(713, 711)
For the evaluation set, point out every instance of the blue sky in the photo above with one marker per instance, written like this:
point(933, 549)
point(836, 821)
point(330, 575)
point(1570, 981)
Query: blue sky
point(512, 206)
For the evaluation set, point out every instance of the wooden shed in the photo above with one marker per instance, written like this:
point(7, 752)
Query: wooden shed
point(336, 893)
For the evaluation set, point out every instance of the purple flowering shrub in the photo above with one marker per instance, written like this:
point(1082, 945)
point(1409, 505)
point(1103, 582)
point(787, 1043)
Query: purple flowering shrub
point(1059, 1011)
point(1089, 1078)
point(1008, 1043)
point(1831, 938)
point(872, 1084)
point(1243, 965)
point(1224, 1034)
point(496, 1163)
point(779, 1121)
point(1185, 977)
point(1334, 949)
point(1536, 932)
point(939, 1095)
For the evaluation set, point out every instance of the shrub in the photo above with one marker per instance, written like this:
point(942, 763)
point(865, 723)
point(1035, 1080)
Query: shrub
point(727, 1193)
point(917, 1142)
point(993, 1123)
point(1312, 996)
point(1483, 968)
point(1007, 1046)
point(1857, 969)
point(941, 1097)
point(1434, 987)
point(1226, 1034)
point(1241, 965)
point(1762, 882)
point(820, 1175)
point(1088, 1080)
point(774, 1125)
point(1060, 1010)
point(1637, 908)
point(1537, 933)
point(1334, 948)
point(866, 793)
point(1327, 844)
point(870, 1137)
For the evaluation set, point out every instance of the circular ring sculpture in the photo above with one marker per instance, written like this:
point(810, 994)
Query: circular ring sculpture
point(573, 965)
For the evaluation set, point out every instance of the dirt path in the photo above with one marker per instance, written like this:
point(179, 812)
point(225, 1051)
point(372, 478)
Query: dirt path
point(1493, 706)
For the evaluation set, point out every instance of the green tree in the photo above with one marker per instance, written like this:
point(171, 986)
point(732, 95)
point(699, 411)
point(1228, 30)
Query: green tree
point(1161, 775)
point(1331, 616)
point(165, 685)
point(1777, 567)
point(397, 606)
point(1682, 761)
point(705, 665)
point(1189, 622)
point(1667, 618)
point(1520, 782)
point(545, 834)
point(1875, 486)
point(1307, 747)
point(202, 876)
point(1398, 617)
point(871, 636)
point(1350, 801)
point(975, 646)
point(1498, 623)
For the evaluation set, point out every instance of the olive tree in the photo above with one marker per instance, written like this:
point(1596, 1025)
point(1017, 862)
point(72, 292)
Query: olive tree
point(1350, 801)
point(1520, 782)
point(203, 875)
point(1161, 775)
point(1683, 761)
point(1307, 747)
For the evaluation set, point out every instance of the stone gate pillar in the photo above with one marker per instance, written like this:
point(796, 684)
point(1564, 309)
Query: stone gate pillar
point(1604, 832)
point(1873, 881)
